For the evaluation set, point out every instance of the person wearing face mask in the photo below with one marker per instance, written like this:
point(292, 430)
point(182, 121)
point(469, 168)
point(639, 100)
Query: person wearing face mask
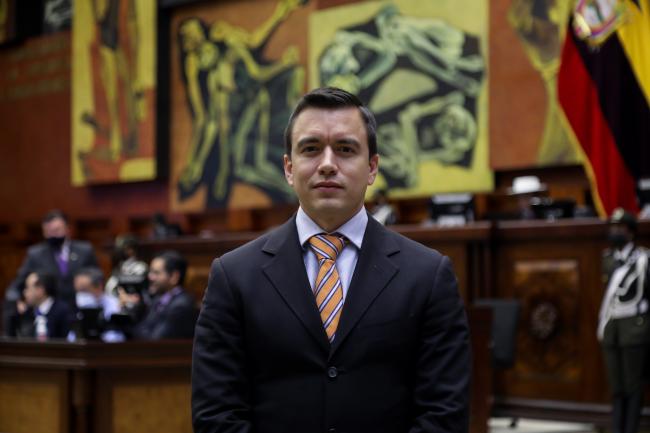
point(57, 255)
point(624, 320)
point(90, 295)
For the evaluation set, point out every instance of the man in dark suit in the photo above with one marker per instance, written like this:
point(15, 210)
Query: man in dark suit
point(172, 313)
point(41, 315)
point(58, 255)
point(331, 323)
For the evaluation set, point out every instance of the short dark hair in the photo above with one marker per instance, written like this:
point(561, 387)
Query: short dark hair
point(95, 274)
point(174, 262)
point(333, 98)
point(48, 281)
point(54, 214)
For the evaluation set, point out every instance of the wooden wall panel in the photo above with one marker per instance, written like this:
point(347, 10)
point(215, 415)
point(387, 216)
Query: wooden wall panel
point(550, 295)
point(557, 280)
point(35, 143)
point(136, 398)
point(33, 401)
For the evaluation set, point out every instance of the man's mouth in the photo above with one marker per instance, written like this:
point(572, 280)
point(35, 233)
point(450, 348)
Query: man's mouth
point(328, 185)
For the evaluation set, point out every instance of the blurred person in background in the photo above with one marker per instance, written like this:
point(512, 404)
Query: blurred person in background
point(90, 296)
point(381, 209)
point(172, 312)
point(39, 314)
point(624, 320)
point(58, 255)
point(126, 264)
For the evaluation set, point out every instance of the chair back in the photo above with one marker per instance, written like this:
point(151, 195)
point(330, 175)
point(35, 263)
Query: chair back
point(505, 319)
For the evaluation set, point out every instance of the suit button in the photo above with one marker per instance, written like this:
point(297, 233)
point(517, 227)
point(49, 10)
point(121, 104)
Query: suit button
point(332, 372)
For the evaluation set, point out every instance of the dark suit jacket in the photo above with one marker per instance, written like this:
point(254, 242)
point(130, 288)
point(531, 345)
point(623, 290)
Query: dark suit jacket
point(174, 320)
point(59, 319)
point(41, 256)
point(400, 361)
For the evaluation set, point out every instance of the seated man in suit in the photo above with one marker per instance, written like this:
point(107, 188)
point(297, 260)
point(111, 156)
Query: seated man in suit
point(41, 315)
point(331, 322)
point(171, 313)
point(57, 255)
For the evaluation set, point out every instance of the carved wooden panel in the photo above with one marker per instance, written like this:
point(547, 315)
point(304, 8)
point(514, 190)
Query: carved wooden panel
point(549, 295)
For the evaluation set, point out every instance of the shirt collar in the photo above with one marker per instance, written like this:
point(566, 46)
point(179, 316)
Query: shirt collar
point(353, 229)
point(166, 297)
point(64, 252)
point(624, 253)
point(45, 306)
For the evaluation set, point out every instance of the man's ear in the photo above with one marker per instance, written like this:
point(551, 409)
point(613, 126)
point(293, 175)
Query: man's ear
point(374, 168)
point(175, 278)
point(288, 169)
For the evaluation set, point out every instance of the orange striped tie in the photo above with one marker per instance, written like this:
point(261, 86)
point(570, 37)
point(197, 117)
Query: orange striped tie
point(328, 289)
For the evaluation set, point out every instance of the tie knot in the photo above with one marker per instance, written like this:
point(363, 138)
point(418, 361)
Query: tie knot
point(327, 246)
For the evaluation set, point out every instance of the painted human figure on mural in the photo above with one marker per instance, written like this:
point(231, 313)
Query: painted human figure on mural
point(432, 46)
point(540, 25)
point(216, 62)
point(437, 120)
point(117, 106)
point(4, 19)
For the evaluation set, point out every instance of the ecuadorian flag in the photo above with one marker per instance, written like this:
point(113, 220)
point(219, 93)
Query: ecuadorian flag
point(604, 90)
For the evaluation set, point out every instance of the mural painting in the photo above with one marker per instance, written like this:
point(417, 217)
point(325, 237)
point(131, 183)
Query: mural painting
point(237, 94)
point(114, 91)
point(541, 26)
point(422, 70)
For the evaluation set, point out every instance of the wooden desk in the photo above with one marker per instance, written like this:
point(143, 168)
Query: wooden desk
point(59, 387)
point(91, 387)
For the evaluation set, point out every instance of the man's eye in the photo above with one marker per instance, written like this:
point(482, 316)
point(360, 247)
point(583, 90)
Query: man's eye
point(346, 149)
point(309, 149)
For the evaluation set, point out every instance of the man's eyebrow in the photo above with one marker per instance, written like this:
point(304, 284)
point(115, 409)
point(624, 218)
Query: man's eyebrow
point(310, 139)
point(348, 140)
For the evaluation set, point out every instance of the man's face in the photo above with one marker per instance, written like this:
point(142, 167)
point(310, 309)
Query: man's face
point(330, 167)
point(160, 280)
point(83, 283)
point(619, 235)
point(34, 292)
point(56, 228)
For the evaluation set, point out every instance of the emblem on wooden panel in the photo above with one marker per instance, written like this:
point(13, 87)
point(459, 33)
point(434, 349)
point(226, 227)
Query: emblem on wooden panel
point(547, 340)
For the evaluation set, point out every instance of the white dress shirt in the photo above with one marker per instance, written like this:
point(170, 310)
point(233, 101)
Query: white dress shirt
point(353, 230)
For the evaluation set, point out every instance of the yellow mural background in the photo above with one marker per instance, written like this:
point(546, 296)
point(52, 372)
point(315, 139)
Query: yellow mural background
point(433, 176)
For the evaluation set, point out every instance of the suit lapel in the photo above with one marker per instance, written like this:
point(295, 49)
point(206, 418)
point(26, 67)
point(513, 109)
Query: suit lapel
point(286, 271)
point(50, 257)
point(73, 258)
point(373, 272)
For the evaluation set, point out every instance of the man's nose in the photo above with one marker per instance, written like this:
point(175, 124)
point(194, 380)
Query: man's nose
point(327, 162)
